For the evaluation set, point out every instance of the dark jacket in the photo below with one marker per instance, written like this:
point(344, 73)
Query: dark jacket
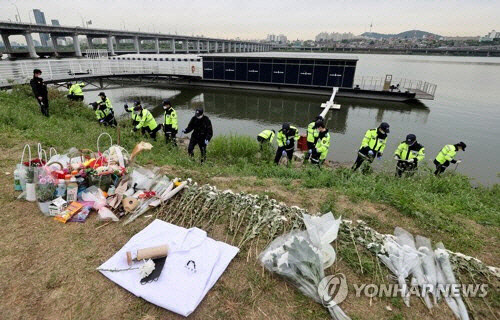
point(39, 87)
point(202, 128)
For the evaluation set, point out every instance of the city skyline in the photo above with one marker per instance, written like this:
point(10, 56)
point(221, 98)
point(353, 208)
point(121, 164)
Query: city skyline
point(297, 20)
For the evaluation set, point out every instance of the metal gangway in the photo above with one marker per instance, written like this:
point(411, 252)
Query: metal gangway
point(422, 89)
point(97, 66)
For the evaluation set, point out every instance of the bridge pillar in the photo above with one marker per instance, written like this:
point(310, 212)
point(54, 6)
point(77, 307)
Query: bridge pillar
point(137, 45)
point(89, 41)
point(185, 44)
point(208, 45)
point(172, 43)
point(223, 47)
point(53, 40)
point(157, 45)
point(31, 45)
point(6, 43)
point(76, 45)
point(198, 49)
point(111, 48)
point(229, 47)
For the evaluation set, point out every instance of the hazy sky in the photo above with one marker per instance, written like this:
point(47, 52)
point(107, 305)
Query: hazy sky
point(256, 18)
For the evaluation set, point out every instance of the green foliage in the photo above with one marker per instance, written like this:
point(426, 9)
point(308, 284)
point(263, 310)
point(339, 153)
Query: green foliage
point(438, 205)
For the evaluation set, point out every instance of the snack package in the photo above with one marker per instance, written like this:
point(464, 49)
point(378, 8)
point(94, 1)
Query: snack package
point(69, 212)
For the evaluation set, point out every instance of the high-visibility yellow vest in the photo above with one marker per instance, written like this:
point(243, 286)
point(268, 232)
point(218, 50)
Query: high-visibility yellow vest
point(101, 114)
point(76, 89)
point(446, 154)
point(268, 135)
point(403, 152)
point(323, 144)
point(171, 118)
point(372, 141)
point(106, 102)
point(312, 133)
point(147, 120)
point(293, 133)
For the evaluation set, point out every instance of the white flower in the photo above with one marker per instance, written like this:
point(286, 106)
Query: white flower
point(146, 269)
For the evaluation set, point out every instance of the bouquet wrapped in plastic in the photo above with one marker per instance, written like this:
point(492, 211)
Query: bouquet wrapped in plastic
point(295, 258)
point(400, 259)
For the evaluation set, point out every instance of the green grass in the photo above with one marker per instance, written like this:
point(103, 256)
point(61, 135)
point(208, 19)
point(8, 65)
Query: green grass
point(438, 205)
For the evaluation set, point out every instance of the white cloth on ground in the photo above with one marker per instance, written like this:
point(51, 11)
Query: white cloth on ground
point(193, 265)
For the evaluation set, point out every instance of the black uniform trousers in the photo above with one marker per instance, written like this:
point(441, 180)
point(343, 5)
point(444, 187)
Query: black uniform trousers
point(75, 97)
point(362, 156)
point(403, 166)
point(44, 105)
point(279, 153)
point(310, 146)
point(200, 142)
point(170, 134)
point(440, 168)
point(152, 133)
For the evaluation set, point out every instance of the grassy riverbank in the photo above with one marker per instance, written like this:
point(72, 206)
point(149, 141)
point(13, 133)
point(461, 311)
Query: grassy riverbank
point(436, 205)
point(447, 209)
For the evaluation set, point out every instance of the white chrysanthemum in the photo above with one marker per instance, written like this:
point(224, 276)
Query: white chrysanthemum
point(146, 269)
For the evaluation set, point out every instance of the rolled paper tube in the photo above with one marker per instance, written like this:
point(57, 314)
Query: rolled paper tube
point(147, 253)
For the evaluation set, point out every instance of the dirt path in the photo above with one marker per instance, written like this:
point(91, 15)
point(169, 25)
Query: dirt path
point(48, 269)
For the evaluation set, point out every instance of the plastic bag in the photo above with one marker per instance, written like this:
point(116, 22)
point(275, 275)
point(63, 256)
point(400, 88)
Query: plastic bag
point(446, 276)
point(400, 259)
point(142, 179)
point(95, 195)
point(105, 214)
point(294, 257)
point(404, 238)
point(424, 246)
point(323, 230)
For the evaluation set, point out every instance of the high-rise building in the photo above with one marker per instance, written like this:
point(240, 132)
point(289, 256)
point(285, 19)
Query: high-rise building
point(40, 19)
point(334, 36)
point(271, 38)
point(55, 22)
point(282, 39)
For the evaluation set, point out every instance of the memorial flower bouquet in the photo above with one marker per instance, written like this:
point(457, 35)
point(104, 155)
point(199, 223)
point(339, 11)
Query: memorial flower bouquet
point(295, 258)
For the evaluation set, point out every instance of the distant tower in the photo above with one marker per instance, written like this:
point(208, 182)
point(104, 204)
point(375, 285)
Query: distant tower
point(40, 19)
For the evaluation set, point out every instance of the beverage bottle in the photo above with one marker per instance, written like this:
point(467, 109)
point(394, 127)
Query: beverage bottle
point(72, 190)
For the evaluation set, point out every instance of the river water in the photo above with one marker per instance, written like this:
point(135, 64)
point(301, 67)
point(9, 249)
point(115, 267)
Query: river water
point(466, 108)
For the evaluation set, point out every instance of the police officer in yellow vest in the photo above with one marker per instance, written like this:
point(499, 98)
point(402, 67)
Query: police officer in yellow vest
point(447, 156)
point(373, 145)
point(320, 151)
point(312, 136)
point(286, 142)
point(409, 153)
point(134, 115)
point(75, 92)
point(103, 114)
point(266, 137)
point(147, 122)
point(105, 102)
point(170, 125)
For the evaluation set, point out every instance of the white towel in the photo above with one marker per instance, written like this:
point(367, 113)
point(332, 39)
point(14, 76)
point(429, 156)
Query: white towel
point(193, 265)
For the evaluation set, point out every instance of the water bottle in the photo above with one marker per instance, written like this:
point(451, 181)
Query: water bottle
point(61, 188)
point(17, 180)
